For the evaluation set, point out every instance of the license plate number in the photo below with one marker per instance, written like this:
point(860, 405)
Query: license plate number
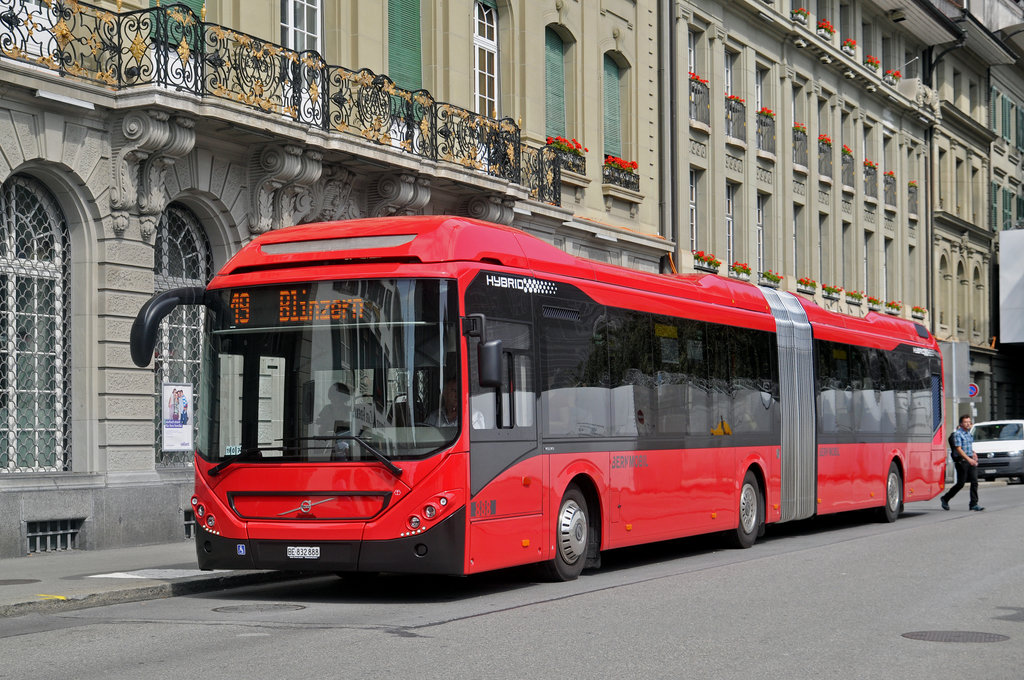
point(303, 552)
point(990, 471)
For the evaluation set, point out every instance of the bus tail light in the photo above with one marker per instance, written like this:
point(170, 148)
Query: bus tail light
point(414, 522)
point(210, 520)
point(429, 511)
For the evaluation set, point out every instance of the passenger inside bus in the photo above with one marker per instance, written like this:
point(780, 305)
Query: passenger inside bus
point(447, 415)
point(336, 416)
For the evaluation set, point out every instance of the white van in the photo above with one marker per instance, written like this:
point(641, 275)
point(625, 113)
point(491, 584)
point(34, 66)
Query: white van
point(1000, 448)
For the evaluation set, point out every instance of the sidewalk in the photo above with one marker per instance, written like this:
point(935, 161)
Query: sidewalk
point(56, 581)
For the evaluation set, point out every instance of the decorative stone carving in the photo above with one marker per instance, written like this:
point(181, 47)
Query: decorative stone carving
point(491, 208)
point(331, 197)
point(398, 194)
point(144, 144)
point(280, 179)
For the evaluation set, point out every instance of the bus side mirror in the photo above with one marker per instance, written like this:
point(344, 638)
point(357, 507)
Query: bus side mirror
point(489, 356)
point(147, 323)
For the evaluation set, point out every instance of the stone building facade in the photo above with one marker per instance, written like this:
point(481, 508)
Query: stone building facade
point(141, 146)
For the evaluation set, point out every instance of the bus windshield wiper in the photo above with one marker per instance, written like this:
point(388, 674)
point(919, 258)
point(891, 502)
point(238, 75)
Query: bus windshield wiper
point(245, 454)
point(392, 468)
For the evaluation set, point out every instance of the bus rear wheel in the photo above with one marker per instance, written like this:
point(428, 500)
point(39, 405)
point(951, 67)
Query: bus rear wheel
point(751, 512)
point(572, 537)
point(893, 494)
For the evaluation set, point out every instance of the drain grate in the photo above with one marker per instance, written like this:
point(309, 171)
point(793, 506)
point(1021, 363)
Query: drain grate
point(955, 636)
point(258, 608)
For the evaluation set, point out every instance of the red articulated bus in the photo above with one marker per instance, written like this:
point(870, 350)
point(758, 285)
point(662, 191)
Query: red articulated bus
point(443, 395)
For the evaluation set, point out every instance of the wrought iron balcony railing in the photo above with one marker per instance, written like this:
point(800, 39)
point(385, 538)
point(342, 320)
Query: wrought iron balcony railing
point(765, 133)
point(572, 162)
point(889, 189)
point(800, 147)
point(735, 119)
point(824, 159)
point(620, 178)
point(871, 182)
point(849, 174)
point(171, 47)
point(912, 200)
point(700, 102)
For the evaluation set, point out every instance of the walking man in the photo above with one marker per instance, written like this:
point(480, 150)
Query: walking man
point(966, 462)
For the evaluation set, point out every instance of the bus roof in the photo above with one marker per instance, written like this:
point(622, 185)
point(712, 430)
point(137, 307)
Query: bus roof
point(445, 238)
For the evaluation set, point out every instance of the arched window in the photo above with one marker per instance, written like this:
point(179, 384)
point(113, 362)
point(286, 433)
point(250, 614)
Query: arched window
point(181, 258)
point(404, 57)
point(613, 77)
point(554, 83)
point(35, 347)
point(485, 49)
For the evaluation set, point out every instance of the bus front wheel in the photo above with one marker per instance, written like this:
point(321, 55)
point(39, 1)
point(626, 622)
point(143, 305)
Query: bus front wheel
point(572, 537)
point(751, 512)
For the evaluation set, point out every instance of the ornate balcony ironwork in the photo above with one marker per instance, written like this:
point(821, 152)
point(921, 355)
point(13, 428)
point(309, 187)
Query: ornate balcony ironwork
point(735, 119)
point(824, 159)
point(572, 162)
point(889, 189)
point(542, 173)
point(700, 102)
point(621, 178)
point(871, 182)
point(800, 147)
point(849, 174)
point(765, 133)
point(171, 47)
point(912, 200)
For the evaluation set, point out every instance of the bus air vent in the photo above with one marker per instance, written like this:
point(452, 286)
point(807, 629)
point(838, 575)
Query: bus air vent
point(561, 313)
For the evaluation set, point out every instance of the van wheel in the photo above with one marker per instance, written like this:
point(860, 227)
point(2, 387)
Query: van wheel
point(751, 512)
point(572, 537)
point(893, 494)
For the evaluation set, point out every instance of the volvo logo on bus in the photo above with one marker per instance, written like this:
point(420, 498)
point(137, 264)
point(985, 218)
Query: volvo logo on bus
point(306, 505)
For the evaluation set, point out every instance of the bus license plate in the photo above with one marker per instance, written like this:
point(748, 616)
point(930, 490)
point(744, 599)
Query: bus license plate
point(304, 552)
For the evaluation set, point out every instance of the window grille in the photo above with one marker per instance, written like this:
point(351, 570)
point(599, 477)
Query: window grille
point(52, 535)
point(35, 361)
point(182, 258)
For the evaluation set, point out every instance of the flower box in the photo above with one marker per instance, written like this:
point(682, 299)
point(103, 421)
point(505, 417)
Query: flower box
point(806, 290)
point(704, 267)
point(769, 279)
point(917, 315)
point(705, 262)
point(875, 306)
point(872, 62)
point(799, 16)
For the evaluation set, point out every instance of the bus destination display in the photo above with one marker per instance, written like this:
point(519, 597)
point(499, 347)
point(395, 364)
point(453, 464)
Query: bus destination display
point(261, 307)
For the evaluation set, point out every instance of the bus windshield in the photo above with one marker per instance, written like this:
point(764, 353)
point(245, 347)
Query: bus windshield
point(330, 371)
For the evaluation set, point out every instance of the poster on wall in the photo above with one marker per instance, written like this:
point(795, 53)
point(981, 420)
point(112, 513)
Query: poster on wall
point(177, 416)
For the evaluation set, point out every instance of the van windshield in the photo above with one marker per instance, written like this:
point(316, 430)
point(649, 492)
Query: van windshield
point(998, 432)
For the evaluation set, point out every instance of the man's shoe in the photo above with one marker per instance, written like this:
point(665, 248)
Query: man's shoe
point(945, 505)
point(977, 507)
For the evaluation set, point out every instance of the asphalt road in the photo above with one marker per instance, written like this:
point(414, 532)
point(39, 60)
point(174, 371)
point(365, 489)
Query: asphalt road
point(837, 597)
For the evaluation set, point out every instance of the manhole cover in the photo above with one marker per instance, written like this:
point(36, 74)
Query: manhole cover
point(17, 581)
point(258, 608)
point(955, 636)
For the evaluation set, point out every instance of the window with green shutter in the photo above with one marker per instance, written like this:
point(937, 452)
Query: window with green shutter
point(175, 31)
point(1007, 209)
point(993, 113)
point(554, 83)
point(612, 108)
point(994, 207)
point(404, 54)
point(1020, 129)
point(1007, 117)
point(1020, 207)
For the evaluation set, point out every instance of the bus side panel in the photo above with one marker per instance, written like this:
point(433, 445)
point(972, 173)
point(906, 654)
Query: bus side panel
point(853, 476)
point(506, 525)
point(924, 472)
point(667, 494)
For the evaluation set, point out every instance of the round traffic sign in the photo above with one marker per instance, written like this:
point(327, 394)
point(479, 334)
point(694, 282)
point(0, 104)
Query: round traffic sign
point(972, 390)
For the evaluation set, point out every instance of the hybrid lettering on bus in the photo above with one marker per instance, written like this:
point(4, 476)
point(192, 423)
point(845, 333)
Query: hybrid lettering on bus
point(443, 395)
